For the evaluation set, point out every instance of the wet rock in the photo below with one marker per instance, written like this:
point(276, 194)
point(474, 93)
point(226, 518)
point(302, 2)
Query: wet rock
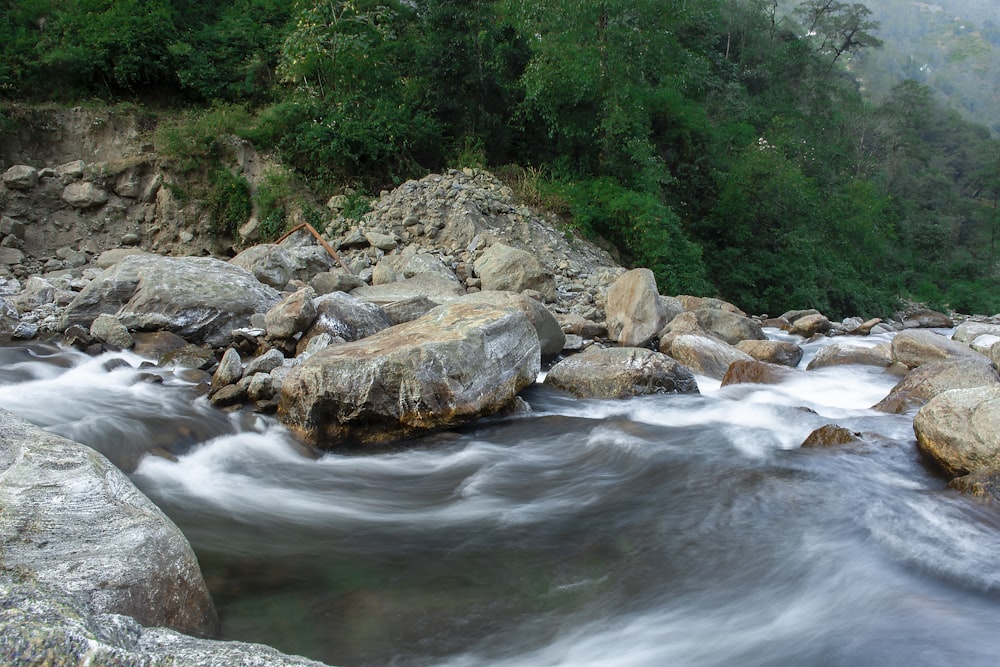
point(270, 264)
point(506, 268)
point(621, 372)
point(45, 626)
point(229, 395)
point(915, 347)
point(980, 483)
point(635, 312)
point(20, 177)
point(230, 370)
point(189, 356)
point(831, 435)
point(265, 363)
point(742, 371)
point(83, 195)
point(107, 329)
point(9, 320)
point(155, 344)
point(927, 381)
point(199, 298)
point(958, 430)
point(784, 353)
point(705, 355)
point(840, 354)
point(292, 315)
point(457, 363)
point(71, 521)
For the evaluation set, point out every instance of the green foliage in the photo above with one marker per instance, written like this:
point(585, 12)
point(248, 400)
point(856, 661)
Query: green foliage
point(274, 199)
point(644, 227)
point(228, 202)
point(199, 137)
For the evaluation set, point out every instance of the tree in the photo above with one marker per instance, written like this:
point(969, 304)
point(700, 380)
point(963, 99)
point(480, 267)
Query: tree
point(839, 27)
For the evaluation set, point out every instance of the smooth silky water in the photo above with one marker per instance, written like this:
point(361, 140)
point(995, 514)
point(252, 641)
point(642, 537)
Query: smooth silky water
point(665, 530)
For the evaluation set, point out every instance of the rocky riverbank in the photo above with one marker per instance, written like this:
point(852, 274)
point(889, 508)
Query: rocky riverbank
point(436, 310)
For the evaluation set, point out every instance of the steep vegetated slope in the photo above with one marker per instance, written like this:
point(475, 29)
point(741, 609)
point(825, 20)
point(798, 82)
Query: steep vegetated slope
point(725, 147)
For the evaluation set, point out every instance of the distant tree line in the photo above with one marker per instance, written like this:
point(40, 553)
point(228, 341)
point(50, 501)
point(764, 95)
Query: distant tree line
point(722, 145)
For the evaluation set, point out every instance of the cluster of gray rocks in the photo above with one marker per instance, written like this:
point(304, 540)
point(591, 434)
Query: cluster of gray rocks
point(445, 302)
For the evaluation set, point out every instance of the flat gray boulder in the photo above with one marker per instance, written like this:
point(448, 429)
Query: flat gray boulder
point(621, 372)
point(966, 332)
point(432, 286)
point(840, 354)
point(72, 521)
point(459, 362)
point(927, 381)
point(728, 326)
point(344, 316)
point(958, 430)
point(915, 347)
point(269, 263)
point(198, 298)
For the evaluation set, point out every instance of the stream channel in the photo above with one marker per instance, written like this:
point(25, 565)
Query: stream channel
point(663, 530)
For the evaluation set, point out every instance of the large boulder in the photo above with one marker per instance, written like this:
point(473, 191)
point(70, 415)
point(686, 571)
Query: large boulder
point(503, 267)
point(753, 371)
point(199, 298)
point(621, 372)
point(781, 352)
point(72, 521)
point(269, 263)
point(924, 383)
point(958, 429)
point(809, 325)
point(292, 315)
point(342, 317)
point(927, 319)
point(915, 347)
point(84, 194)
point(841, 354)
point(966, 332)
point(550, 335)
point(43, 626)
point(728, 326)
point(459, 362)
point(705, 355)
point(20, 177)
point(433, 287)
point(635, 311)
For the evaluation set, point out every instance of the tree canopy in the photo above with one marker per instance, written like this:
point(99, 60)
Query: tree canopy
point(722, 143)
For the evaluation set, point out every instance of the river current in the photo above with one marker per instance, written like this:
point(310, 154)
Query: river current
point(665, 530)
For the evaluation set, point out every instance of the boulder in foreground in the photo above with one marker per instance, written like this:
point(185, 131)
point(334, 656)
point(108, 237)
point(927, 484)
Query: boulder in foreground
point(621, 372)
point(72, 521)
point(459, 362)
point(959, 430)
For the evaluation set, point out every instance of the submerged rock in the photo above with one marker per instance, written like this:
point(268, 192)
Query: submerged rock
point(831, 435)
point(459, 362)
point(621, 372)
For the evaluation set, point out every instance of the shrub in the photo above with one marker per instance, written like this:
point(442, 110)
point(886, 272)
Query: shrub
point(228, 202)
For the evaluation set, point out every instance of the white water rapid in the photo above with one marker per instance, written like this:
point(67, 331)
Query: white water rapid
point(665, 530)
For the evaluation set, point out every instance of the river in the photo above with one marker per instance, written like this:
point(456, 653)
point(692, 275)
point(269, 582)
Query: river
point(665, 530)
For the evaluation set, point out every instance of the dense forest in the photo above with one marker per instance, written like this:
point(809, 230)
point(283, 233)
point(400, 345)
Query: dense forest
point(727, 147)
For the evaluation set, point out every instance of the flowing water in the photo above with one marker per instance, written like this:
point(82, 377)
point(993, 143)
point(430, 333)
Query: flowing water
point(666, 530)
